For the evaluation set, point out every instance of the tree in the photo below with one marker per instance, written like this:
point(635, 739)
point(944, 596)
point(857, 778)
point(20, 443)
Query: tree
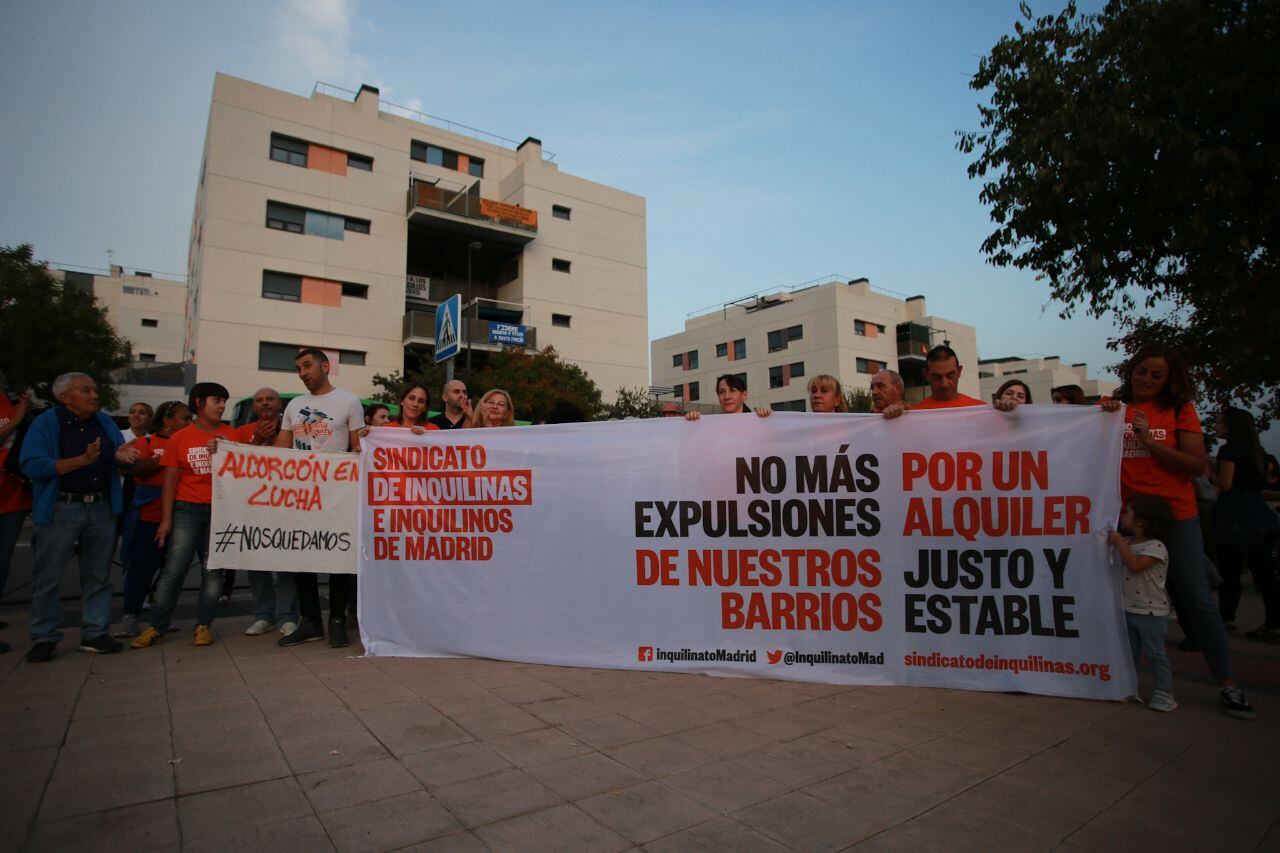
point(858, 400)
point(631, 403)
point(1131, 159)
point(47, 329)
point(536, 383)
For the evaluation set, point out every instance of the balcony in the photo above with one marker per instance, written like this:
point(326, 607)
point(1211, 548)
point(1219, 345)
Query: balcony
point(419, 328)
point(171, 374)
point(913, 342)
point(464, 212)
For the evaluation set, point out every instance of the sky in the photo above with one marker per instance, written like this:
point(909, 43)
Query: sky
point(774, 143)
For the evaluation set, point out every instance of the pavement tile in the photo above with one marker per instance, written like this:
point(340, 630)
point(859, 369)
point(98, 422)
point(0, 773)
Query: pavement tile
point(389, 823)
point(726, 786)
point(668, 719)
point(27, 730)
point(452, 764)
point(496, 721)
point(797, 763)
point(357, 783)
point(322, 739)
point(959, 748)
point(714, 836)
point(1108, 753)
point(21, 785)
point(660, 756)
point(725, 739)
point(116, 699)
point(538, 747)
point(206, 819)
point(1051, 819)
point(563, 827)
point(821, 825)
point(585, 775)
point(366, 688)
point(883, 801)
point(532, 690)
point(607, 732)
point(558, 711)
point(877, 700)
point(491, 798)
point(150, 826)
point(20, 701)
point(951, 827)
point(298, 833)
point(1065, 781)
point(199, 691)
point(206, 767)
point(94, 774)
point(412, 726)
point(646, 811)
point(455, 842)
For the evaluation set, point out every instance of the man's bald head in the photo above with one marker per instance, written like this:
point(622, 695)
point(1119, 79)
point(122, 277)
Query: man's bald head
point(266, 403)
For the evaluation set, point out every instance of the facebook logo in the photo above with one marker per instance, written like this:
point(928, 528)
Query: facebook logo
point(645, 653)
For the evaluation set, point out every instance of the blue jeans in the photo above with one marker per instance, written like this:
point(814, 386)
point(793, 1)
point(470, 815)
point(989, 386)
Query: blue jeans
point(145, 559)
point(93, 528)
point(189, 537)
point(1189, 585)
point(1146, 634)
point(10, 530)
point(275, 597)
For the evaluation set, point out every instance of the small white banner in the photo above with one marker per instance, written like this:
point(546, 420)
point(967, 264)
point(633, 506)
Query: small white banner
point(284, 510)
point(958, 548)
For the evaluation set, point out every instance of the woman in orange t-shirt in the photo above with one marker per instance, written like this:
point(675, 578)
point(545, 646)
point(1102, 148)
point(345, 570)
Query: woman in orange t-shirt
point(145, 556)
point(1163, 452)
point(414, 410)
point(186, 503)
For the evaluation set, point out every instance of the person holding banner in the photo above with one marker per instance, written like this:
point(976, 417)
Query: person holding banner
point(942, 371)
point(731, 391)
point(413, 410)
point(325, 419)
point(146, 556)
point(826, 394)
point(186, 503)
point(1015, 390)
point(887, 389)
point(495, 410)
point(1163, 452)
point(457, 412)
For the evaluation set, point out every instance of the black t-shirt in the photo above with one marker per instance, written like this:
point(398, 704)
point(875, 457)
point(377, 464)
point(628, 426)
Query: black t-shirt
point(442, 420)
point(1247, 476)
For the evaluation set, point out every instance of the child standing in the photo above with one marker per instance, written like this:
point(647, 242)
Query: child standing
point(1146, 604)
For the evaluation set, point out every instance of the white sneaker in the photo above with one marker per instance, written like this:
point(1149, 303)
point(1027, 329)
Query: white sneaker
point(288, 628)
point(261, 626)
point(1161, 701)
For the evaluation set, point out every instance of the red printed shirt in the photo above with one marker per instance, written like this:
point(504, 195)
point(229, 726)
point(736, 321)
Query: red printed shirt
point(150, 447)
point(188, 451)
point(959, 401)
point(1141, 473)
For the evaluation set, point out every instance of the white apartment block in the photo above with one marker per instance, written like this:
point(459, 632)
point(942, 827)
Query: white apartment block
point(340, 221)
point(777, 340)
point(1041, 375)
point(148, 310)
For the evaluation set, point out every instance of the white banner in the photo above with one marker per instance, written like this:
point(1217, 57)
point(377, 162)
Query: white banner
point(284, 510)
point(957, 548)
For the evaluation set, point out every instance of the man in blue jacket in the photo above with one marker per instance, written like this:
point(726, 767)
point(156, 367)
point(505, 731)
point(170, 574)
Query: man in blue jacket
point(70, 454)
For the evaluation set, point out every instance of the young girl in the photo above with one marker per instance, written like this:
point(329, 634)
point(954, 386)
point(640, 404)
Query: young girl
point(1146, 604)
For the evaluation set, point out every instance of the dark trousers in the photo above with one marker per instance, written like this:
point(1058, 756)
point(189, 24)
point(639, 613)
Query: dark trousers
point(145, 559)
point(342, 590)
point(1262, 563)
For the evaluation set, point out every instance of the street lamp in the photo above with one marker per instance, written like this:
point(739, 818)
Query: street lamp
point(470, 248)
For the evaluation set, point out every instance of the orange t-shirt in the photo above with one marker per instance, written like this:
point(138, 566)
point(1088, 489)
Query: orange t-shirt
point(244, 434)
point(188, 451)
point(959, 401)
point(149, 447)
point(1144, 474)
point(15, 496)
point(401, 425)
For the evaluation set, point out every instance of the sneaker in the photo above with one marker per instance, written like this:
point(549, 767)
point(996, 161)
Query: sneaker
point(42, 652)
point(1234, 704)
point(1162, 701)
point(148, 637)
point(146, 605)
point(224, 598)
point(203, 636)
point(337, 633)
point(100, 645)
point(288, 628)
point(259, 627)
point(128, 626)
point(306, 632)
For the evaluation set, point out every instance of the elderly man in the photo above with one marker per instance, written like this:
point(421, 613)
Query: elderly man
point(275, 597)
point(457, 406)
point(886, 394)
point(70, 454)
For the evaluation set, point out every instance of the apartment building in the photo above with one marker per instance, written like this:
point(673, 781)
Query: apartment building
point(341, 221)
point(148, 310)
point(1041, 375)
point(776, 340)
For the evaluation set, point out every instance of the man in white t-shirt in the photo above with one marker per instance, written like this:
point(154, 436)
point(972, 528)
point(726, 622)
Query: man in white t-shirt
point(326, 419)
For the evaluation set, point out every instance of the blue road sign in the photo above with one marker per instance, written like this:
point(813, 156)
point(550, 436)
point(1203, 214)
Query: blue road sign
point(506, 333)
point(448, 322)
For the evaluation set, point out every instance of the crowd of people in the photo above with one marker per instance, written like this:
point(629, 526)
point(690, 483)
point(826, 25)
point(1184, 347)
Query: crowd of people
point(75, 473)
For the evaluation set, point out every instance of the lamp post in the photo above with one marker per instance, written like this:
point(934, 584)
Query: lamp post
point(470, 247)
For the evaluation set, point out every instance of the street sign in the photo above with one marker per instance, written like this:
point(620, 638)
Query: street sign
point(448, 322)
point(506, 333)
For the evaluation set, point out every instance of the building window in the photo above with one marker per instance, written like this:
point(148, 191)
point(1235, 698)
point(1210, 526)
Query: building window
point(860, 328)
point(146, 356)
point(349, 356)
point(276, 356)
point(678, 392)
point(436, 156)
point(722, 350)
point(775, 376)
point(284, 217)
point(789, 406)
point(781, 338)
point(693, 360)
point(559, 211)
point(560, 265)
point(797, 369)
point(475, 168)
point(285, 149)
point(355, 291)
point(561, 320)
point(277, 285)
point(677, 360)
point(358, 226)
point(151, 324)
point(781, 375)
point(866, 329)
point(359, 161)
point(739, 349)
point(694, 392)
point(869, 365)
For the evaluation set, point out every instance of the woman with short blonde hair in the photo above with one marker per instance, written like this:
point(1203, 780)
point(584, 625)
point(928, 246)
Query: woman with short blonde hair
point(495, 409)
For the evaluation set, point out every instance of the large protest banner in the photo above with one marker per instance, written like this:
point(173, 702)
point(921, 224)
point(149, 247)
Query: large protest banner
point(283, 510)
point(958, 548)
